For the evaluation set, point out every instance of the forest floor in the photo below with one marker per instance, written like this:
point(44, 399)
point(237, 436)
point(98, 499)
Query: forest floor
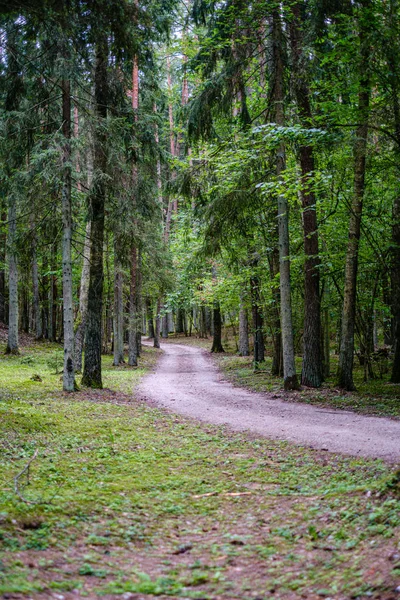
point(129, 501)
point(373, 397)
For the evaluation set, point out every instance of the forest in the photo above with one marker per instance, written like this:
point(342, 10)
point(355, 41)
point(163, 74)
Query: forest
point(195, 194)
point(174, 168)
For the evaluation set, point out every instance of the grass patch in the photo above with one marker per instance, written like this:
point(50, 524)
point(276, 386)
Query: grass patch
point(130, 499)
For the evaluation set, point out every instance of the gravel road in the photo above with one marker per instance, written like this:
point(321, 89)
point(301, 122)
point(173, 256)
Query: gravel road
point(186, 381)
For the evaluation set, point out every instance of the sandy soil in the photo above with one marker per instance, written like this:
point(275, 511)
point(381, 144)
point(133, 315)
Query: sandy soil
point(186, 381)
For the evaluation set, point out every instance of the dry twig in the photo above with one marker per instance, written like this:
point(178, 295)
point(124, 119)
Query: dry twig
point(17, 478)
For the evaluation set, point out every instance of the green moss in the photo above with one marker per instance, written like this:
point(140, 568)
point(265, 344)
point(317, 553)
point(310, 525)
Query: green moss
point(128, 498)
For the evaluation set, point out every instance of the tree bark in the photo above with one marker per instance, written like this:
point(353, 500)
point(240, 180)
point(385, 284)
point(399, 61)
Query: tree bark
point(133, 349)
point(3, 244)
point(139, 306)
point(68, 315)
point(326, 339)
point(164, 326)
point(277, 364)
point(312, 367)
point(258, 322)
point(36, 309)
point(150, 320)
point(346, 355)
point(395, 377)
point(179, 320)
point(83, 300)
point(118, 321)
point(243, 330)
point(51, 310)
point(158, 325)
point(12, 341)
point(393, 62)
point(217, 334)
point(92, 367)
point(290, 380)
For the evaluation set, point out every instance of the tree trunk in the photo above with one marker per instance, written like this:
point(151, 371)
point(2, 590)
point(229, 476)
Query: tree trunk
point(3, 244)
point(118, 321)
point(327, 345)
point(395, 378)
point(158, 325)
point(133, 320)
point(346, 355)
point(12, 342)
point(277, 365)
point(50, 306)
point(2, 296)
point(243, 330)
point(312, 369)
point(217, 335)
point(139, 305)
point(36, 309)
point(179, 320)
point(24, 324)
point(259, 355)
point(68, 315)
point(83, 300)
point(290, 381)
point(150, 320)
point(92, 367)
point(395, 262)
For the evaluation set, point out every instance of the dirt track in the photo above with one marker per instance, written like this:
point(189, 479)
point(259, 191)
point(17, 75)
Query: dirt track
point(186, 381)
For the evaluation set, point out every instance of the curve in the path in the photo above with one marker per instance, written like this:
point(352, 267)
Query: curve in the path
point(186, 381)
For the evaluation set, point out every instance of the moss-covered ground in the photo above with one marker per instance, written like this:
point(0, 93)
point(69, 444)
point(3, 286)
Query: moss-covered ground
point(125, 500)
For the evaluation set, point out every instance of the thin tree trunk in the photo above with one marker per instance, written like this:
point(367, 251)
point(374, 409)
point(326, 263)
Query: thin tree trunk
point(174, 148)
point(139, 305)
point(50, 307)
point(92, 367)
point(37, 314)
point(3, 244)
point(346, 355)
point(68, 315)
point(24, 325)
point(327, 344)
point(290, 380)
point(133, 350)
point(83, 301)
point(276, 368)
point(257, 322)
point(243, 329)
point(158, 325)
point(150, 320)
point(12, 257)
point(395, 262)
point(12, 341)
point(164, 326)
point(118, 321)
point(133, 347)
point(312, 369)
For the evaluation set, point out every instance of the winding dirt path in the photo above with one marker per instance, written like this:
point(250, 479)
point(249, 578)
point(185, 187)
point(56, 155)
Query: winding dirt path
point(186, 381)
